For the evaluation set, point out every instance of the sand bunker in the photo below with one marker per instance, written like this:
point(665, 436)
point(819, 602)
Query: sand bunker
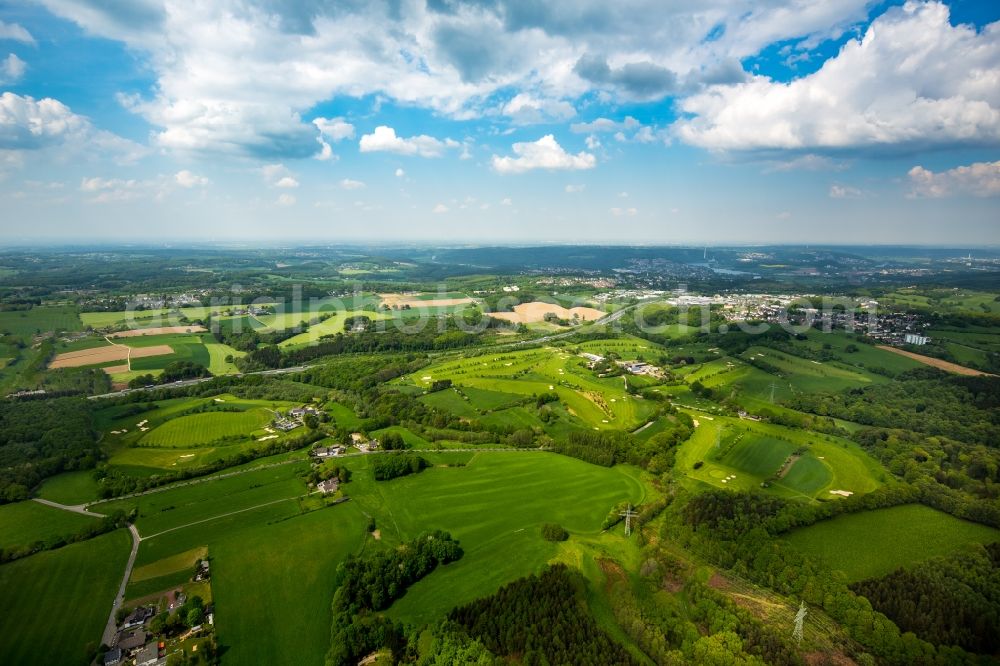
point(158, 330)
point(105, 354)
point(527, 313)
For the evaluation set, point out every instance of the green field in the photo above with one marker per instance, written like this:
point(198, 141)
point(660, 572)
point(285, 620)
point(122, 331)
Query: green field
point(147, 318)
point(185, 505)
point(217, 353)
point(25, 323)
point(589, 400)
point(70, 487)
point(495, 506)
point(198, 429)
point(754, 452)
point(281, 576)
point(56, 603)
point(874, 543)
point(24, 523)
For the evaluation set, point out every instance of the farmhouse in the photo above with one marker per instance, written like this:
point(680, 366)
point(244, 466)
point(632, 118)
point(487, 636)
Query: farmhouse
point(149, 655)
point(363, 443)
point(138, 617)
point(114, 656)
point(328, 451)
point(328, 486)
point(285, 425)
point(593, 358)
point(300, 412)
point(130, 640)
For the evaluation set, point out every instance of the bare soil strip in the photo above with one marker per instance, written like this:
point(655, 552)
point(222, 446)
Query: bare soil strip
point(116, 369)
point(935, 362)
point(158, 330)
point(401, 299)
point(104, 354)
point(527, 313)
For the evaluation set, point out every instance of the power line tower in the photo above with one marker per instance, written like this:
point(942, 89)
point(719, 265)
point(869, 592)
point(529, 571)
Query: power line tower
point(800, 618)
point(628, 514)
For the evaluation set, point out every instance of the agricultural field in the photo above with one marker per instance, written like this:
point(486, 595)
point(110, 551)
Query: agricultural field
point(744, 454)
point(26, 323)
point(24, 523)
point(163, 443)
point(70, 488)
point(870, 544)
point(202, 429)
point(147, 318)
point(494, 506)
point(589, 400)
point(74, 587)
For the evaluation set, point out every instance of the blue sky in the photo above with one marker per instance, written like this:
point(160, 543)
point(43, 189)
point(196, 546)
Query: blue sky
point(501, 120)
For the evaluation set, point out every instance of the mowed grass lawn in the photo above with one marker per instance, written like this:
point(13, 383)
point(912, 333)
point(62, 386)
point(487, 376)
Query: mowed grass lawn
point(273, 586)
point(70, 487)
point(495, 507)
point(55, 603)
point(24, 523)
point(198, 429)
point(197, 502)
point(874, 543)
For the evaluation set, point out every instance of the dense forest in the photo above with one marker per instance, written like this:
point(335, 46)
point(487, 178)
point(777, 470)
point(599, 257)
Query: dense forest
point(41, 438)
point(924, 400)
point(541, 619)
point(952, 600)
point(370, 584)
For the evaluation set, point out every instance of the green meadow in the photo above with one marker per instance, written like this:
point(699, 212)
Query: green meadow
point(24, 523)
point(495, 506)
point(25, 323)
point(869, 544)
point(744, 454)
point(197, 429)
point(79, 581)
point(70, 487)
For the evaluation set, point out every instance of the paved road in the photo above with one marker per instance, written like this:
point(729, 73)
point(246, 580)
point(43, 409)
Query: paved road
point(75, 508)
point(191, 482)
point(112, 626)
point(192, 382)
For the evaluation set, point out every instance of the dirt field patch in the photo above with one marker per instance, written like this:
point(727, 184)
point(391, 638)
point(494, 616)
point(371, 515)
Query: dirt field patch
point(116, 369)
point(527, 313)
point(98, 355)
point(935, 362)
point(399, 300)
point(159, 330)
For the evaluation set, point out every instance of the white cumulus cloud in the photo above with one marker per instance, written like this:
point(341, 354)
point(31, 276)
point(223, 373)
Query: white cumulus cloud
point(27, 124)
point(12, 69)
point(188, 180)
point(525, 108)
point(845, 192)
point(440, 208)
point(285, 200)
point(546, 153)
point(15, 32)
point(348, 184)
point(384, 139)
point(913, 79)
point(981, 179)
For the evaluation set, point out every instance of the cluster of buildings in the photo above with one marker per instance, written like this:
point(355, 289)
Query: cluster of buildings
point(133, 643)
point(631, 367)
point(294, 419)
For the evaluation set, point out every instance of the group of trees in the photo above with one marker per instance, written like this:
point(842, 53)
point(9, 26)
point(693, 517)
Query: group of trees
point(541, 619)
point(738, 530)
point(108, 523)
point(393, 465)
point(42, 438)
point(174, 371)
point(924, 400)
point(953, 600)
point(370, 584)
